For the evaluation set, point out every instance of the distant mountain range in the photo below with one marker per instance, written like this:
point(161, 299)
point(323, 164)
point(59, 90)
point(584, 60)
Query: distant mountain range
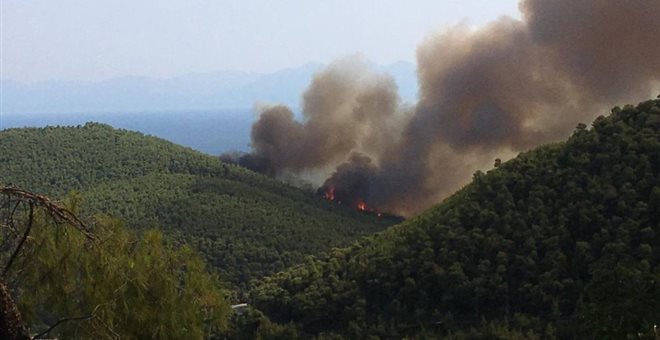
point(195, 91)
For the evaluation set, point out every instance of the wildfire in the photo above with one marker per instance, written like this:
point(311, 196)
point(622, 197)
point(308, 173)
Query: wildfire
point(329, 194)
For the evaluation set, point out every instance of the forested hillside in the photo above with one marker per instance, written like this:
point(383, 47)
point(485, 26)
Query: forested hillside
point(558, 242)
point(562, 241)
point(245, 224)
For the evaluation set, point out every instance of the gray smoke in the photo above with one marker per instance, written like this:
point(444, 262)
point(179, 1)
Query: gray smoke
point(347, 107)
point(484, 93)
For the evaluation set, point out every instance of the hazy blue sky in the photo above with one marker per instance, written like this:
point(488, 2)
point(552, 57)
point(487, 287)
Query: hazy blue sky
point(99, 39)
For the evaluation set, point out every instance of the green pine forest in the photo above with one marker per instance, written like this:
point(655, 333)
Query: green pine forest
point(244, 224)
point(559, 242)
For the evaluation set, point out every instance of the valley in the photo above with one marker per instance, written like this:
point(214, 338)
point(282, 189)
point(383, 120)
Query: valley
point(532, 246)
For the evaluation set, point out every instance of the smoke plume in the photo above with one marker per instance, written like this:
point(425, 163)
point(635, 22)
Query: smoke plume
point(485, 93)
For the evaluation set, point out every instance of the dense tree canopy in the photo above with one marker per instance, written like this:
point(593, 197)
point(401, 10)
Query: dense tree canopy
point(561, 241)
point(101, 281)
point(245, 224)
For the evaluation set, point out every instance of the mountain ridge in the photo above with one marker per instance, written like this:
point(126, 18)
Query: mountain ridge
point(558, 242)
point(245, 224)
point(194, 91)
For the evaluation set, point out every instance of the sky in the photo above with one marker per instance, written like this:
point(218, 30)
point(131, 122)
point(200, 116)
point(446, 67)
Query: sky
point(94, 40)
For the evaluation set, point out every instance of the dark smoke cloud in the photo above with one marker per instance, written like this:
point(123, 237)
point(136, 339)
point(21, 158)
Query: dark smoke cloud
point(351, 182)
point(346, 108)
point(484, 93)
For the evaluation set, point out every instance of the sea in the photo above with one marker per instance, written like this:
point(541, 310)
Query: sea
point(210, 131)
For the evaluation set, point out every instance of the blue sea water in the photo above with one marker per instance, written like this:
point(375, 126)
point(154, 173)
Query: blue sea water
point(212, 131)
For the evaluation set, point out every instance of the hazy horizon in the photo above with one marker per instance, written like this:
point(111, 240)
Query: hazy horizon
point(194, 91)
point(313, 64)
point(93, 41)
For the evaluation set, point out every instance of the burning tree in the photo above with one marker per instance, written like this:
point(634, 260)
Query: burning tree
point(350, 184)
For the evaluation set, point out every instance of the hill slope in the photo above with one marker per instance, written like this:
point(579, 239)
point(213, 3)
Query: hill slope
point(561, 241)
point(244, 223)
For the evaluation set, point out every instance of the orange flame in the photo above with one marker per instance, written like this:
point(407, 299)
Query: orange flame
point(329, 194)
